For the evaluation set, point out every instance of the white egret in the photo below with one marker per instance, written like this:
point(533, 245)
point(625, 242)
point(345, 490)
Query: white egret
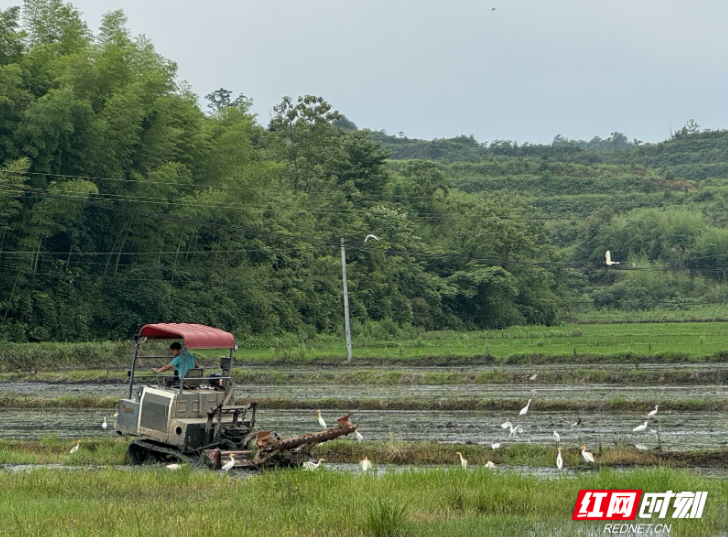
point(533, 377)
point(524, 410)
point(174, 466)
point(557, 438)
point(358, 435)
point(229, 465)
point(116, 415)
point(641, 447)
point(559, 460)
point(104, 425)
point(463, 462)
point(608, 259)
point(507, 425)
point(495, 446)
point(515, 430)
point(371, 237)
point(490, 465)
point(652, 414)
point(588, 457)
point(577, 423)
point(310, 465)
point(321, 420)
point(366, 464)
point(74, 449)
point(640, 428)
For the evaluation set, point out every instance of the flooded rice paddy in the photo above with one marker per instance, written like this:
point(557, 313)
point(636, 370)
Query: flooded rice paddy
point(522, 391)
point(678, 430)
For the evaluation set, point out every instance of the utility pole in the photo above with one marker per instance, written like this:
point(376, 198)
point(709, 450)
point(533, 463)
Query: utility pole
point(346, 302)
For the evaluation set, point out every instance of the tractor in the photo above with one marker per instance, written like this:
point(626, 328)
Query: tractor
point(198, 421)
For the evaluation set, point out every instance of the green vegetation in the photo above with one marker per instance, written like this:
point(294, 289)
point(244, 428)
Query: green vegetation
point(113, 452)
point(16, 401)
point(124, 202)
point(569, 343)
point(324, 503)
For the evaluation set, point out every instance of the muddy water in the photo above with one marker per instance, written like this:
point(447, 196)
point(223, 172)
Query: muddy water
point(679, 430)
point(523, 391)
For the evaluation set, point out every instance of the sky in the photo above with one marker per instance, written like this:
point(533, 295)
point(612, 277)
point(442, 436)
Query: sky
point(526, 71)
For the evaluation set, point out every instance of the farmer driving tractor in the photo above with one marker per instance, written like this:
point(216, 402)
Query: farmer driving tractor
point(183, 361)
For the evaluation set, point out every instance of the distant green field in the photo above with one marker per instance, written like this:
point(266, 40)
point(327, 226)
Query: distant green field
point(295, 503)
point(693, 339)
point(660, 342)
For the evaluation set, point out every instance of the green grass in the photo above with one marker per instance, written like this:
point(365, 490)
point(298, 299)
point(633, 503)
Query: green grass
point(113, 452)
point(292, 503)
point(20, 401)
point(579, 343)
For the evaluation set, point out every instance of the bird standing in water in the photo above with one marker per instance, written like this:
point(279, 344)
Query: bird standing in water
point(524, 410)
point(358, 435)
point(640, 428)
point(559, 460)
point(310, 465)
point(366, 464)
point(104, 425)
point(490, 465)
point(652, 414)
point(321, 420)
point(557, 438)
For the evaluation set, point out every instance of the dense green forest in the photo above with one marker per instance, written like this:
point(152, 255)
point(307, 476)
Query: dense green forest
point(123, 200)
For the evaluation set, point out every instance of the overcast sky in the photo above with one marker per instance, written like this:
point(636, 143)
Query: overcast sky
point(527, 71)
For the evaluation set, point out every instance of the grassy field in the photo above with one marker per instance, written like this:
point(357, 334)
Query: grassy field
point(292, 503)
point(630, 374)
point(581, 343)
point(113, 452)
point(618, 404)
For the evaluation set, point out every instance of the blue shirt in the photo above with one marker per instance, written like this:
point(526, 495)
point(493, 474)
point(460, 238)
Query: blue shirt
point(183, 362)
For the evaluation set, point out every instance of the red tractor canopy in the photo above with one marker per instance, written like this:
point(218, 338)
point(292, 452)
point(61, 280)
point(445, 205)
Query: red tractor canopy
point(195, 336)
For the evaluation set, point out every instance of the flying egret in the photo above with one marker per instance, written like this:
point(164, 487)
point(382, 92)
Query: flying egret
point(229, 465)
point(557, 438)
point(652, 414)
point(366, 464)
point(321, 420)
point(174, 466)
point(358, 435)
point(577, 423)
point(640, 428)
point(495, 446)
point(515, 430)
point(507, 425)
point(463, 462)
point(490, 465)
point(104, 425)
point(524, 410)
point(310, 465)
point(588, 457)
point(371, 237)
point(74, 449)
point(608, 259)
point(559, 460)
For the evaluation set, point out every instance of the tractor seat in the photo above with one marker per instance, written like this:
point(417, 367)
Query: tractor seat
point(190, 379)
